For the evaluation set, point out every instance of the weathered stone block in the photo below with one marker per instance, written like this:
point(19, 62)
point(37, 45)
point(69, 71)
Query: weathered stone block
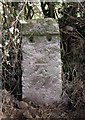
point(42, 67)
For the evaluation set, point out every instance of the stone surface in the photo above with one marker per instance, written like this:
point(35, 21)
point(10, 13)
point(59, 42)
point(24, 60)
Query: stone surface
point(41, 78)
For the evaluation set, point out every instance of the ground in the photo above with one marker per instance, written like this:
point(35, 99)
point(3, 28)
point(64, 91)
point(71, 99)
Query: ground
point(25, 109)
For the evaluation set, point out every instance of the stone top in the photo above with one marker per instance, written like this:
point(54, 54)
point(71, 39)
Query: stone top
point(40, 27)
